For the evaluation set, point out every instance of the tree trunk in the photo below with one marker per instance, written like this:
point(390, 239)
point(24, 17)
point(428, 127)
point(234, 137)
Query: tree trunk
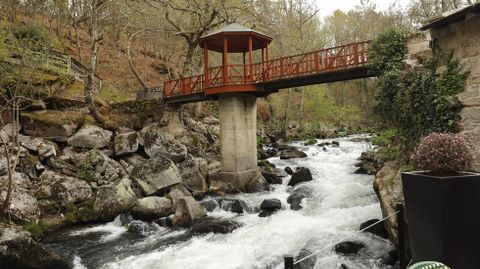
point(130, 60)
point(90, 85)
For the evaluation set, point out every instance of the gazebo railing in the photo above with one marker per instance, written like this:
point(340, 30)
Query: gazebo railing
point(311, 63)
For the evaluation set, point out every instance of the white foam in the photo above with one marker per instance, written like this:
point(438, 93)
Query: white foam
point(341, 202)
point(110, 231)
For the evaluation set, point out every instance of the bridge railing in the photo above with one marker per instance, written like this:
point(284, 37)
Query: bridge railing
point(319, 61)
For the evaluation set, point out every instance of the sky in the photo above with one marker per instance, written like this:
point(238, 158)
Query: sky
point(328, 6)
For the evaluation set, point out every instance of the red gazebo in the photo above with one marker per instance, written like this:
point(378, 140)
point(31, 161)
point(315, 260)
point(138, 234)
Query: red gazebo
point(234, 38)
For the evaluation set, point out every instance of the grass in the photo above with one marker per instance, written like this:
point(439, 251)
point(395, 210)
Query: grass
point(37, 230)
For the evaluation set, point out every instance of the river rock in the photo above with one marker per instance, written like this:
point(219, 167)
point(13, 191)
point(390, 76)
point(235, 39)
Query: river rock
point(272, 178)
point(378, 229)
point(71, 191)
point(102, 169)
point(153, 207)
point(256, 184)
point(125, 143)
point(42, 147)
point(19, 250)
point(157, 141)
point(233, 205)
point(209, 204)
point(301, 175)
point(271, 205)
point(292, 154)
point(308, 262)
point(211, 225)
point(194, 172)
point(74, 156)
point(113, 199)
point(296, 197)
point(175, 194)
point(155, 175)
point(188, 211)
point(348, 247)
point(23, 204)
point(91, 137)
point(389, 258)
point(289, 170)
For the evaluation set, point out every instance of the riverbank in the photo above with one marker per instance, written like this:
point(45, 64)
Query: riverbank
point(337, 203)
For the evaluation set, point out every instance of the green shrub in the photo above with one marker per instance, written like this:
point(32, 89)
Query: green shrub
point(35, 36)
point(311, 141)
point(385, 138)
point(388, 154)
point(37, 230)
point(415, 101)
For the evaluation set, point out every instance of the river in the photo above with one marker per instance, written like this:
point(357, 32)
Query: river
point(340, 202)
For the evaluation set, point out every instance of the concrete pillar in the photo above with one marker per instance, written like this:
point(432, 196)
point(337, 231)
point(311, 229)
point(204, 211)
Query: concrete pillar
point(238, 136)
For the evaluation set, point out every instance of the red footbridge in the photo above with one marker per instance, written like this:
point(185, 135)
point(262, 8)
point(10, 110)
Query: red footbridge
point(266, 76)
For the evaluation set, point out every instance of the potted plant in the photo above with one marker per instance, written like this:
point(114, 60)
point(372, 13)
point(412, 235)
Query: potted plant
point(443, 202)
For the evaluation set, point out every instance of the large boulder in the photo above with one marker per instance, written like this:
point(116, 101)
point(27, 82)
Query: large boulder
point(301, 175)
point(292, 154)
point(210, 225)
point(101, 169)
point(157, 141)
point(114, 199)
point(348, 247)
point(155, 175)
point(388, 187)
point(125, 143)
point(150, 208)
point(48, 125)
point(271, 205)
point(194, 172)
point(71, 191)
point(91, 137)
point(177, 192)
point(188, 211)
point(19, 250)
point(374, 227)
point(41, 147)
point(23, 205)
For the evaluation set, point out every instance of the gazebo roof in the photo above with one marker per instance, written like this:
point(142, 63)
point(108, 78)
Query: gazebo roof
point(237, 36)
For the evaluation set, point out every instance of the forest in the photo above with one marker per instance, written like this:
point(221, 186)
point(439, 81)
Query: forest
point(135, 45)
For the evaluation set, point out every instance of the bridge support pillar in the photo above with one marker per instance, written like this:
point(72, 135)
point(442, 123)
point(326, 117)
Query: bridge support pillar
point(238, 138)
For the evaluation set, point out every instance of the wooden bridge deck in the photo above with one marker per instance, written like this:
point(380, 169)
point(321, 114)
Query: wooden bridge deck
point(320, 66)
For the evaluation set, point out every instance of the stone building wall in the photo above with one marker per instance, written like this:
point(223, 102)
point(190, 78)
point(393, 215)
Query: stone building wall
point(464, 39)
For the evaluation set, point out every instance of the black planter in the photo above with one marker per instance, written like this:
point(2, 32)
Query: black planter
point(443, 215)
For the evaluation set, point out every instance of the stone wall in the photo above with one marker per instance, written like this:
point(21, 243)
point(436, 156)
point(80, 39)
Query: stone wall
point(463, 38)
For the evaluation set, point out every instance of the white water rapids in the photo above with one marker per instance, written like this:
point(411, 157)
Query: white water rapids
point(341, 201)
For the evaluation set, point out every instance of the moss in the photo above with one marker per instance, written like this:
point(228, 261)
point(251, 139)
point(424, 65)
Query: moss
point(57, 117)
point(80, 213)
point(114, 96)
point(37, 230)
point(266, 165)
point(310, 141)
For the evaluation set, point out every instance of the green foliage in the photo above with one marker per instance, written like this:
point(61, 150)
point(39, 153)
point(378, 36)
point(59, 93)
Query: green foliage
point(81, 213)
point(416, 101)
point(310, 141)
point(385, 138)
point(390, 153)
point(37, 230)
point(85, 172)
point(261, 140)
point(34, 36)
point(387, 51)
point(266, 165)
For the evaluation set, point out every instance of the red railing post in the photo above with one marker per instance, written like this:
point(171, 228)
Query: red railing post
point(355, 49)
point(317, 64)
point(281, 67)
